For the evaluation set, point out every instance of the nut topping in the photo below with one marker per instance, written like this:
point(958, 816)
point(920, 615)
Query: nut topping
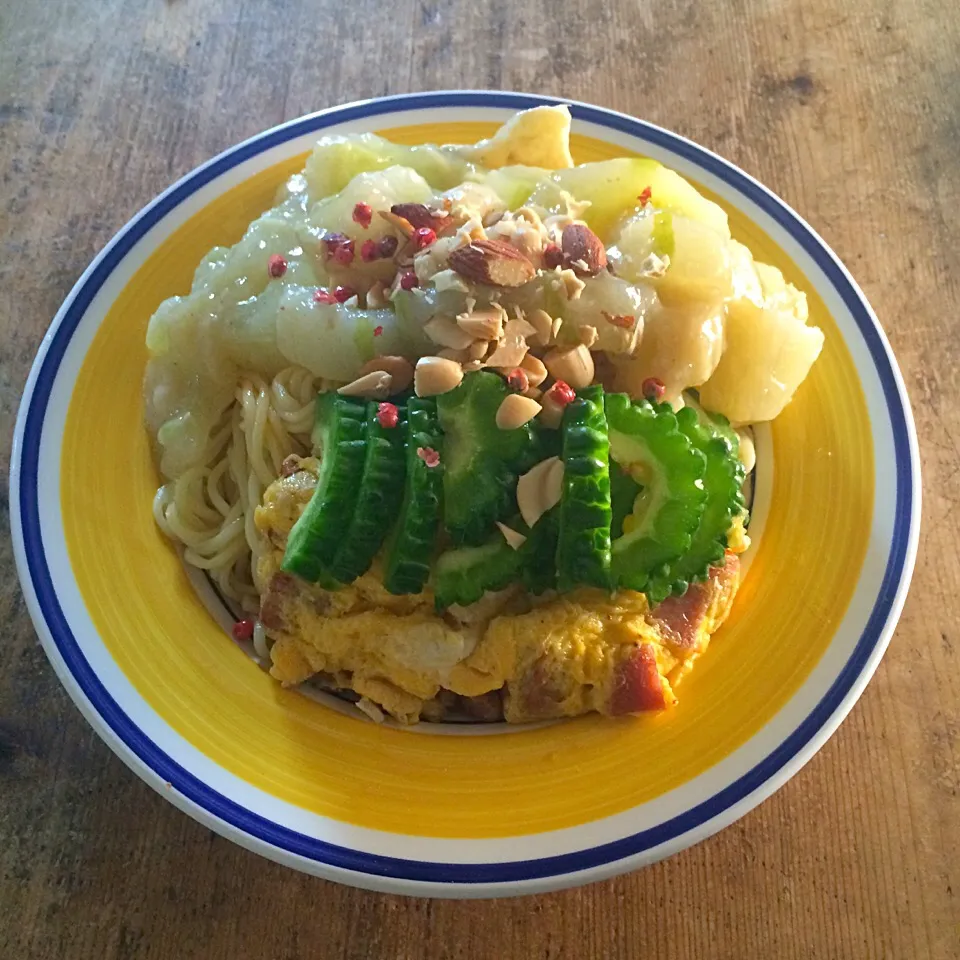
point(588, 335)
point(539, 489)
point(399, 368)
point(493, 263)
point(514, 539)
point(583, 250)
point(373, 386)
point(573, 365)
point(483, 324)
point(535, 370)
point(447, 333)
point(542, 323)
point(420, 216)
point(436, 375)
point(515, 411)
point(512, 348)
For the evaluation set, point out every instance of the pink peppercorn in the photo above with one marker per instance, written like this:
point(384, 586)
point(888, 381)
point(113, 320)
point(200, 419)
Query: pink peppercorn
point(363, 214)
point(388, 415)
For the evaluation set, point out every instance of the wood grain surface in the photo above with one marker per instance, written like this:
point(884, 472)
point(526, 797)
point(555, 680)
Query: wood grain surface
point(850, 111)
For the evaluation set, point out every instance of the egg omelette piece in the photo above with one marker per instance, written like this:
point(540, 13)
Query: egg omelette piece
point(510, 656)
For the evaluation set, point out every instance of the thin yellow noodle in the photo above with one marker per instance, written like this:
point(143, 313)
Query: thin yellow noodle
point(210, 507)
point(217, 497)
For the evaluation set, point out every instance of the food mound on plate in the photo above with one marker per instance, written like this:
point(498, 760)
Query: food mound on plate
point(463, 429)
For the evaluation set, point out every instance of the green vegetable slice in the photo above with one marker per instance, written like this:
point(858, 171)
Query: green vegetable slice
point(623, 494)
point(466, 573)
point(379, 497)
point(339, 439)
point(722, 481)
point(583, 543)
point(539, 553)
point(645, 439)
point(482, 462)
point(410, 549)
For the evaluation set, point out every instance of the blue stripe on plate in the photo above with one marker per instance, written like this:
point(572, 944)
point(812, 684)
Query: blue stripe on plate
point(478, 873)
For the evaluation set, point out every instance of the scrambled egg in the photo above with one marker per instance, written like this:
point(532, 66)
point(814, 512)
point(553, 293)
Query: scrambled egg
point(510, 655)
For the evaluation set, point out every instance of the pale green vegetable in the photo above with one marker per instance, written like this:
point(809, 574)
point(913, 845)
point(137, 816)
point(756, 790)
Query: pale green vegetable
point(337, 160)
point(613, 188)
point(514, 184)
point(333, 340)
point(249, 331)
point(700, 266)
point(607, 303)
point(242, 271)
point(381, 190)
point(681, 346)
point(768, 353)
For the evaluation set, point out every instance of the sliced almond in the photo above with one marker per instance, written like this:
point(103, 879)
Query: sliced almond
point(448, 280)
point(551, 416)
point(514, 539)
point(566, 282)
point(493, 263)
point(483, 324)
point(400, 223)
point(520, 326)
point(515, 411)
point(377, 296)
point(509, 353)
point(418, 215)
point(447, 333)
point(542, 323)
point(535, 370)
point(436, 375)
point(399, 368)
point(458, 356)
point(588, 335)
point(573, 365)
point(530, 215)
point(539, 489)
point(373, 386)
point(478, 349)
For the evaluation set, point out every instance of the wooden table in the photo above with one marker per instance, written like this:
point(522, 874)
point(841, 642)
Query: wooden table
point(848, 110)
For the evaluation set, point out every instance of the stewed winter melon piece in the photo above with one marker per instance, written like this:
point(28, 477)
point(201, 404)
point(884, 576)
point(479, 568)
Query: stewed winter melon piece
point(681, 347)
point(614, 189)
point(683, 258)
point(768, 353)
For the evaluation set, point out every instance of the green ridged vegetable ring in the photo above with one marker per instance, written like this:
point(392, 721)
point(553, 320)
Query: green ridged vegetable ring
point(646, 441)
point(464, 574)
point(379, 497)
point(722, 481)
point(583, 543)
point(410, 550)
point(482, 461)
point(339, 437)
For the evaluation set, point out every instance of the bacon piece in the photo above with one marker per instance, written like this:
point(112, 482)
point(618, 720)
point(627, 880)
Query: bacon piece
point(280, 591)
point(637, 685)
point(681, 619)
